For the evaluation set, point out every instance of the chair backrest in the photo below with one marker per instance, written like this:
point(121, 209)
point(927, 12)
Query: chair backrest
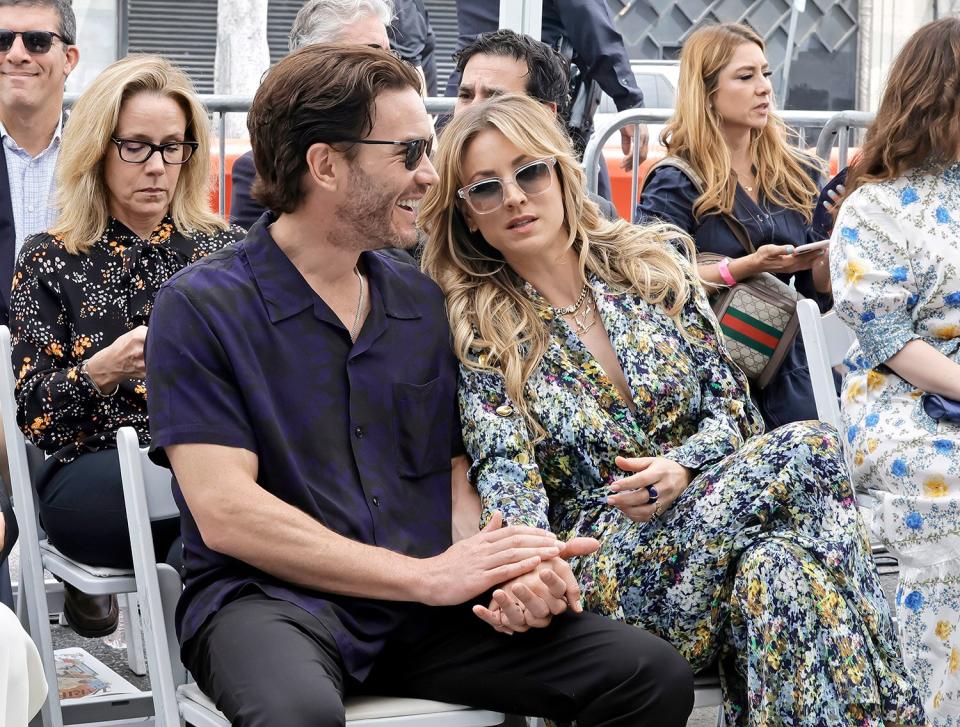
point(827, 340)
point(25, 506)
point(158, 585)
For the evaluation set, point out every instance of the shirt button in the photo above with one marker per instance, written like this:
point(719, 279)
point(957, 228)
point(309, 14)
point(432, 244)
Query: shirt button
point(358, 432)
point(504, 411)
point(376, 501)
point(30, 208)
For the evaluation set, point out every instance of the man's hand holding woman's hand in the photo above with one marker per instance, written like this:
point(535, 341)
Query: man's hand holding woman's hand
point(533, 599)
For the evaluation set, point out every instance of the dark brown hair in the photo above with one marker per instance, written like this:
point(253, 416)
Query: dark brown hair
point(918, 121)
point(320, 93)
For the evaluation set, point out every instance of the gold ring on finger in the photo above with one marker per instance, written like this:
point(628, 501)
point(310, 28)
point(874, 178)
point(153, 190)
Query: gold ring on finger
point(658, 509)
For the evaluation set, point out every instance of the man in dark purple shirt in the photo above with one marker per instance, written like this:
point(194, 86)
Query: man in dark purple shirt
point(303, 390)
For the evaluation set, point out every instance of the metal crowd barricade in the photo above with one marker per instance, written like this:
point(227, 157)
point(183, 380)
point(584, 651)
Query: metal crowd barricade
point(841, 124)
point(835, 124)
point(219, 105)
point(635, 117)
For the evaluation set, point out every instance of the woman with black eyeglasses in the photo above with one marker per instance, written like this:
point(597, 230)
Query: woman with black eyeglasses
point(133, 181)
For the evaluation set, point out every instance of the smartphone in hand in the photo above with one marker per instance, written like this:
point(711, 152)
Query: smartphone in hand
point(811, 247)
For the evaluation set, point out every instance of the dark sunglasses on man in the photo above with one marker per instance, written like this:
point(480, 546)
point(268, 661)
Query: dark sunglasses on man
point(35, 41)
point(416, 148)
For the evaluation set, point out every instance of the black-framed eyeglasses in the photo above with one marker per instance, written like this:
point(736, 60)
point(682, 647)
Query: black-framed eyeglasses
point(35, 41)
point(487, 195)
point(137, 151)
point(416, 148)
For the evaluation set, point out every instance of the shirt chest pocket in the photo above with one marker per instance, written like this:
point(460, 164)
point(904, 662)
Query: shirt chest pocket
point(423, 426)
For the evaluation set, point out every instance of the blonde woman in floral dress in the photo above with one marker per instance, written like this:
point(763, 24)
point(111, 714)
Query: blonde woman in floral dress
point(895, 259)
point(597, 399)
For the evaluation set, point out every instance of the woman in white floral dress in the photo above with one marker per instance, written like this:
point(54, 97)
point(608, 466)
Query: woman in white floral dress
point(895, 263)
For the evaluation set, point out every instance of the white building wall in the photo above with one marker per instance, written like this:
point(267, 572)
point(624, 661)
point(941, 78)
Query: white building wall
point(885, 26)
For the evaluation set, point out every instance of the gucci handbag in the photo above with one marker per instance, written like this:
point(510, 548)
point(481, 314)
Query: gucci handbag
point(758, 315)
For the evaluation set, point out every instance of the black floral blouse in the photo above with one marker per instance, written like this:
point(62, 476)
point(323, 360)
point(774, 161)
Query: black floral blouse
point(64, 308)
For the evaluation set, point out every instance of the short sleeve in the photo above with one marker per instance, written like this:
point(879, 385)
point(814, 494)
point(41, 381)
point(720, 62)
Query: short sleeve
point(667, 196)
point(874, 288)
point(194, 397)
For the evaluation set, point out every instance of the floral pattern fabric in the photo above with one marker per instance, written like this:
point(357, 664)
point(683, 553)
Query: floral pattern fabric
point(762, 564)
point(64, 308)
point(895, 265)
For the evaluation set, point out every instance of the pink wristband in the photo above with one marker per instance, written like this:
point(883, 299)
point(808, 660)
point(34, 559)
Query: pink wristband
point(723, 267)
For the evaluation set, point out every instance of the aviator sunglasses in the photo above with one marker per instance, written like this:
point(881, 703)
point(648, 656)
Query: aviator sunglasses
point(35, 41)
point(416, 148)
point(487, 195)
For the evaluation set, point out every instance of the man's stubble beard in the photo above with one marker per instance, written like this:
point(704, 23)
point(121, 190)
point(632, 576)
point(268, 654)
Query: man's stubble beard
point(363, 220)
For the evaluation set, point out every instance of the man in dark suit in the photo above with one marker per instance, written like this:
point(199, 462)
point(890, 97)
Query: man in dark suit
point(598, 52)
point(412, 36)
point(37, 53)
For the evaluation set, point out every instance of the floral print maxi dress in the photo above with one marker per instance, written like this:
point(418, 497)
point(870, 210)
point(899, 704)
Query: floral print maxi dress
point(896, 277)
point(761, 564)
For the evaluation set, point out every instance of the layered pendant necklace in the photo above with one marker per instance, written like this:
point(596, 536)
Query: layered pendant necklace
point(582, 312)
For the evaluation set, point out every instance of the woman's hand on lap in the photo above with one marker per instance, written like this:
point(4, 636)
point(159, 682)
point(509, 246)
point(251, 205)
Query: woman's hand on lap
point(632, 495)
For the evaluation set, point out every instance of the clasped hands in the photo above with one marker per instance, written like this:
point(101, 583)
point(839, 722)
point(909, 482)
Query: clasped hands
point(534, 598)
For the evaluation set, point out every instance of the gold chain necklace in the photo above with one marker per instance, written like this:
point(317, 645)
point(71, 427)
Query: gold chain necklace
point(584, 320)
point(575, 307)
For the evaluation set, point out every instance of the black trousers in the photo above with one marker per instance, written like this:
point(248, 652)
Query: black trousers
point(81, 509)
point(266, 662)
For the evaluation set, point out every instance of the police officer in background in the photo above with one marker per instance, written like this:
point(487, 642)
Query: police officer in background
point(411, 35)
point(598, 53)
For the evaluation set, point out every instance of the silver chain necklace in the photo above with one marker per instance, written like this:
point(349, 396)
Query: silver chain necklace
point(354, 329)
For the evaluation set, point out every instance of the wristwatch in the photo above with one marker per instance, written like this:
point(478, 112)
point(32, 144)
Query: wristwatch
point(86, 374)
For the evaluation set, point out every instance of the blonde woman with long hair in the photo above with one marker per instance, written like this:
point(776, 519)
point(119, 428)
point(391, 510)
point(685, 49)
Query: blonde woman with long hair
point(597, 399)
point(754, 184)
point(133, 181)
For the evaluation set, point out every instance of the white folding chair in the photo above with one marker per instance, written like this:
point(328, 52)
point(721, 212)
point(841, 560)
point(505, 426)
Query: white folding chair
point(146, 487)
point(37, 555)
point(827, 340)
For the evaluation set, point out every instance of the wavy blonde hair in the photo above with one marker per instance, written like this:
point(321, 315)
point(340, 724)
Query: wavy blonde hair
point(495, 325)
point(694, 131)
point(82, 194)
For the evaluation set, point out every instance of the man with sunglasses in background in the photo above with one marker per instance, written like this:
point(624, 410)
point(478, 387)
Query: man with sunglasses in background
point(37, 53)
point(303, 389)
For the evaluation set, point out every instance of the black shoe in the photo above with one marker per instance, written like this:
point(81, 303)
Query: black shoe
point(90, 616)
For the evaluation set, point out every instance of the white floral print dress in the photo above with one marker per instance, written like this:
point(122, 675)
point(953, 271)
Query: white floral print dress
point(895, 264)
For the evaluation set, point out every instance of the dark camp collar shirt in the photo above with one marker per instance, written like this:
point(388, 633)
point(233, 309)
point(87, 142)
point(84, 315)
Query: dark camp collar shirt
point(243, 353)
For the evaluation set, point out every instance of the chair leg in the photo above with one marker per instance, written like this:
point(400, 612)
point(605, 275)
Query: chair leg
point(136, 656)
point(38, 621)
